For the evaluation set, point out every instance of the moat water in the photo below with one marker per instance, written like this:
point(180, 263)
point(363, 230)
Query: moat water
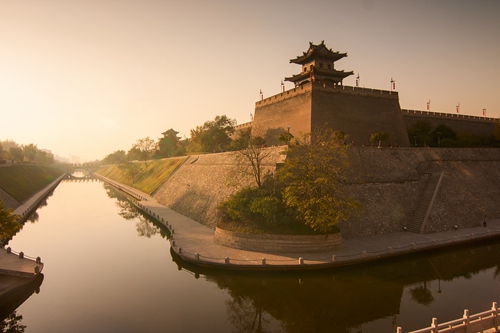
point(109, 269)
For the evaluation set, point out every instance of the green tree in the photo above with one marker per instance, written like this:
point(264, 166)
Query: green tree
point(313, 175)
point(9, 224)
point(272, 136)
point(132, 170)
point(16, 153)
point(379, 137)
point(242, 139)
point(419, 133)
point(30, 152)
point(442, 135)
point(214, 135)
point(115, 158)
point(147, 147)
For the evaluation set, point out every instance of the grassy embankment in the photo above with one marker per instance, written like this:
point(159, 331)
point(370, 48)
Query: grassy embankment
point(22, 181)
point(149, 178)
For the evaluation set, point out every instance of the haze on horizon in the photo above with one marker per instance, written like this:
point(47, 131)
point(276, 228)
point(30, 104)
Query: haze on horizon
point(88, 78)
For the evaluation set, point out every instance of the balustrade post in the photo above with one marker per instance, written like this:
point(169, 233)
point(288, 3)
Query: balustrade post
point(399, 330)
point(226, 260)
point(434, 325)
point(301, 261)
point(494, 309)
point(466, 320)
point(197, 256)
point(263, 261)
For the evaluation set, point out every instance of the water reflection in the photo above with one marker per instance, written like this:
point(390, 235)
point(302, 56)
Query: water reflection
point(343, 300)
point(12, 324)
point(146, 225)
point(23, 288)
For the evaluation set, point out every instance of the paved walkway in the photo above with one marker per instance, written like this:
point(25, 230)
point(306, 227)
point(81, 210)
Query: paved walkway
point(193, 242)
point(10, 262)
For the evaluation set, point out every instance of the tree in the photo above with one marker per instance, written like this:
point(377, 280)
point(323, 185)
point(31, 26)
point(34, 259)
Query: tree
point(242, 140)
point(440, 133)
point(313, 175)
point(147, 147)
point(131, 169)
point(420, 132)
point(214, 135)
point(30, 152)
point(115, 158)
point(379, 137)
point(16, 153)
point(9, 224)
point(133, 154)
point(252, 159)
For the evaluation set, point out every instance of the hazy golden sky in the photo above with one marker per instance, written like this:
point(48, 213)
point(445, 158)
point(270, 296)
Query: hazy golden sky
point(88, 77)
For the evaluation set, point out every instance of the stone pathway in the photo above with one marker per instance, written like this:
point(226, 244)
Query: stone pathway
point(193, 242)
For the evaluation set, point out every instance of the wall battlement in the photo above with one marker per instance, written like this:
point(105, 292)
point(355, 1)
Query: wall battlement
point(327, 88)
point(448, 115)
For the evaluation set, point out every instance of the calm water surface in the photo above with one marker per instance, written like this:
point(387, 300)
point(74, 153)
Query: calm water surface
point(109, 269)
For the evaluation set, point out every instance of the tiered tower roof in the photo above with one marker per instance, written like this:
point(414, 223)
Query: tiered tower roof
point(318, 66)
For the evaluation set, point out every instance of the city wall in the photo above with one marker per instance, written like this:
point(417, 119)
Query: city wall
point(457, 122)
point(387, 182)
point(359, 112)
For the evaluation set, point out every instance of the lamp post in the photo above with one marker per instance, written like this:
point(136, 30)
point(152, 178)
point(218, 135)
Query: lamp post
point(288, 136)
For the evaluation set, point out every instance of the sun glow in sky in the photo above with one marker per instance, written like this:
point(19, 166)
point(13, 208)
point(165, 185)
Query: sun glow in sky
point(89, 77)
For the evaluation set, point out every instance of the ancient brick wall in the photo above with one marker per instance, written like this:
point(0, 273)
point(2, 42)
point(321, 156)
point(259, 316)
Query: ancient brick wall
point(387, 183)
point(291, 108)
point(359, 112)
point(458, 123)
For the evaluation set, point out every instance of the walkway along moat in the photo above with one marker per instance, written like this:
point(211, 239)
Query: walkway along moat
point(193, 242)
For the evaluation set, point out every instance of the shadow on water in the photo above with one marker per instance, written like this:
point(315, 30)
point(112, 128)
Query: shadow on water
point(341, 300)
point(20, 290)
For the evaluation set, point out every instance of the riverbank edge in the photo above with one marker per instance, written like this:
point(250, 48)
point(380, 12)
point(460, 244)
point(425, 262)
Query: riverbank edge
point(30, 267)
point(199, 249)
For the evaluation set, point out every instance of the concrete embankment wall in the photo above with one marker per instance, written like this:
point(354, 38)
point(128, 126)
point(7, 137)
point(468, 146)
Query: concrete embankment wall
point(388, 183)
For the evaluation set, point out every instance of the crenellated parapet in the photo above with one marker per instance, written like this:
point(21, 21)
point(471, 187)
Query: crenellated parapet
point(327, 87)
point(443, 115)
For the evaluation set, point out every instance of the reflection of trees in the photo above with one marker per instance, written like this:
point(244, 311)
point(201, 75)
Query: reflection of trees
point(422, 294)
point(246, 317)
point(342, 300)
point(12, 324)
point(145, 228)
point(145, 225)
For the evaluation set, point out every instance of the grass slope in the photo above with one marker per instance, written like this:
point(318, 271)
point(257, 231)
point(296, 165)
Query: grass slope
point(149, 178)
point(22, 181)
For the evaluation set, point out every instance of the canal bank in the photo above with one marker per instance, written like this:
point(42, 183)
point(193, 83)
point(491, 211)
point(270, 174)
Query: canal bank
point(18, 263)
point(193, 243)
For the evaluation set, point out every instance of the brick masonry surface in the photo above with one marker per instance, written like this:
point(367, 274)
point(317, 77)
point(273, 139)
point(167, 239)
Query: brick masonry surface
point(278, 243)
point(387, 183)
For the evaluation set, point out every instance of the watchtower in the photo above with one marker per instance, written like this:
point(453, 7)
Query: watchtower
point(318, 65)
point(319, 97)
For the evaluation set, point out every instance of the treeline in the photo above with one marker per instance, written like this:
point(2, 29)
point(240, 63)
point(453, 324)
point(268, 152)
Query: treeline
point(10, 150)
point(215, 135)
point(423, 134)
